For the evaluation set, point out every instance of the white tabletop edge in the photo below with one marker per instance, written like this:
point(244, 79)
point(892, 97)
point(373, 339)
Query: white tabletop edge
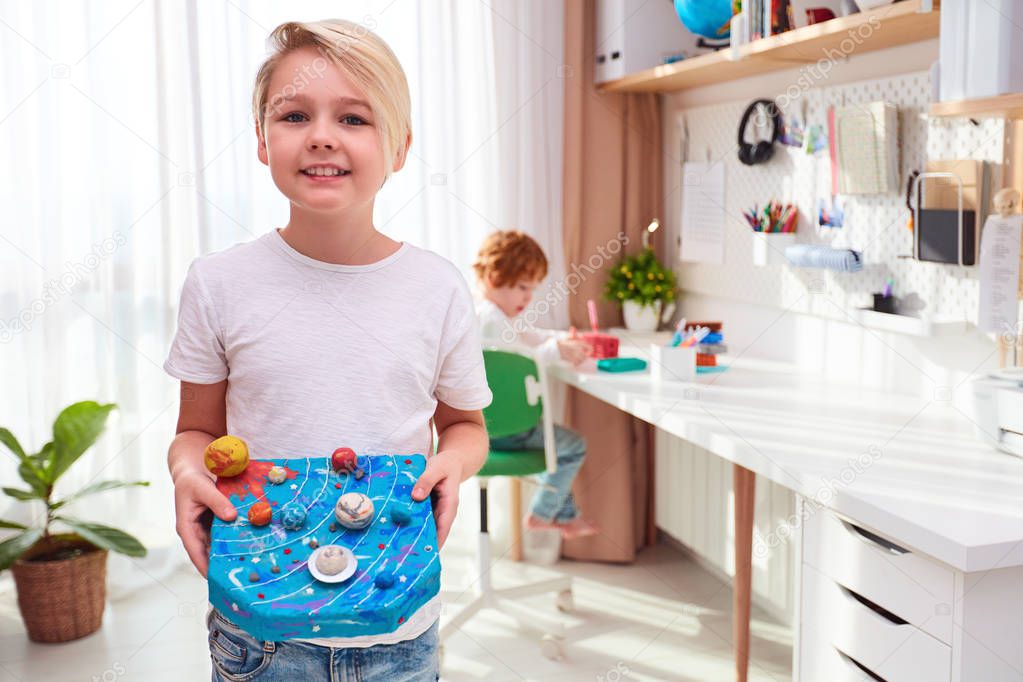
point(961, 526)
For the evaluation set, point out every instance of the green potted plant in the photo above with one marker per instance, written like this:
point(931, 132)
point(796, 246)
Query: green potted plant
point(643, 287)
point(61, 577)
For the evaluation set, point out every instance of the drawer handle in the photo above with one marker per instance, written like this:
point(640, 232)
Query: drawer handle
point(873, 539)
point(879, 610)
point(850, 661)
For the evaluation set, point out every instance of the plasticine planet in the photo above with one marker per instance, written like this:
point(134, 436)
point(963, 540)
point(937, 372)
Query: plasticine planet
point(277, 475)
point(227, 456)
point(354, 510)
point(260, 514)
point(331, 560)
point(292, 516)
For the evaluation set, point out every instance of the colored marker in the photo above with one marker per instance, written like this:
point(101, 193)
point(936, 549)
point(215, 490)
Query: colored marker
point(676, 338)
point(696, 337)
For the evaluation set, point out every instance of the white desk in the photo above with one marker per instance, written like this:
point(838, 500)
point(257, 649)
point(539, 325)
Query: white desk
point(924, 481)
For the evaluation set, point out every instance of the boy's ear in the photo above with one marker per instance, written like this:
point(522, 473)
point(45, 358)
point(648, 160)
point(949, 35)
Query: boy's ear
point(261, 147)
point(399, 161)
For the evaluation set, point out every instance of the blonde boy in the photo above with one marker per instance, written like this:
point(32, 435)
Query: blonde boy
point(327, 333)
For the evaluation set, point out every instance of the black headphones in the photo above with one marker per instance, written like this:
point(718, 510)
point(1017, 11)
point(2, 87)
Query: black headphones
point(759, 152)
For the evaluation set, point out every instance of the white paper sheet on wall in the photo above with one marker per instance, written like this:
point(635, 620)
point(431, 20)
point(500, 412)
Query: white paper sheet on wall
point(999, 274)
point(703, 212)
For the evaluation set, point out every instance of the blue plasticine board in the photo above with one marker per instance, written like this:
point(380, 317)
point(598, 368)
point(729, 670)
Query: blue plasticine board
point(291, 603)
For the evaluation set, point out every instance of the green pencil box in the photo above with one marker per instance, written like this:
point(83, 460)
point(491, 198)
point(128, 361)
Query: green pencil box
point(621, 365)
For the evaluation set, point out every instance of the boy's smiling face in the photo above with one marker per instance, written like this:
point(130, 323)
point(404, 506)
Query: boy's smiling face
point(322, 146)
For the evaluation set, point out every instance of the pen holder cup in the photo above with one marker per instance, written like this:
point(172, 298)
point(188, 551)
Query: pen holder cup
point(669, 363)
point(769, 247)
point(884, 304)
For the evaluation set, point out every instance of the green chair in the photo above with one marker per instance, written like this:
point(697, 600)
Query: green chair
point(519, 386)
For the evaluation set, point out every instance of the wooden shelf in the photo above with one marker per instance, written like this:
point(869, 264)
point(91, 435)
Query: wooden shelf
point(889, 26)
point(1003, 106)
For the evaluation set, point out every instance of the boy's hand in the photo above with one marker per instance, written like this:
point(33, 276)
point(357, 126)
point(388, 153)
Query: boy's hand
point(573, 350)
point(195, 495)
point(442, 477)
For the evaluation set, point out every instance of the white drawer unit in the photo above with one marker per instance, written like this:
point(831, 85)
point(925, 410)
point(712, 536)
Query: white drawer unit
point(850, 636)
point(871, 607)
point(908, 584)
point(828, 664)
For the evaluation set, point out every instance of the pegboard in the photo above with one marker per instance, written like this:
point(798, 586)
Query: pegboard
point(875, 225)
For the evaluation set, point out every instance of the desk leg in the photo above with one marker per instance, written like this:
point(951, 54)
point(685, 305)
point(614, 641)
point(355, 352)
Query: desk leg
point(516, 518)
point(651, 502)
point(744, 487)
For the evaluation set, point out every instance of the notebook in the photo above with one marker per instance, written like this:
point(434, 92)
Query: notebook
point(867, 148)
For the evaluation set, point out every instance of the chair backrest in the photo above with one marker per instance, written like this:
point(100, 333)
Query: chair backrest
point(516, 407)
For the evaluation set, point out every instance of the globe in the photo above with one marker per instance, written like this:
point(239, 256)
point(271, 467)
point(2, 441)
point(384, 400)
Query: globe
point(707, 18)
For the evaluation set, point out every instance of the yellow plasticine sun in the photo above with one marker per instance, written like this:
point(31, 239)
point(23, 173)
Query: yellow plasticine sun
point(227, 456)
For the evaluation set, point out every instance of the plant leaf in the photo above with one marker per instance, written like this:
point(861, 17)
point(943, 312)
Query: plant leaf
point(94, 488)
point(19, 494)
point(31, 476)
point(43, 463)
point(106, 537)
point(74, 431)
point(29, 469)
point(8, 439)
point(12, 524)
point(12, 548)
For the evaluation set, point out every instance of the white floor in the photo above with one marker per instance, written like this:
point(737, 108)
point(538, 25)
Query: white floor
point(662, 618)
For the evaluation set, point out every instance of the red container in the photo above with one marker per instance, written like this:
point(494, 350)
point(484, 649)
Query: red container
point(706, 360)
point(601, 345)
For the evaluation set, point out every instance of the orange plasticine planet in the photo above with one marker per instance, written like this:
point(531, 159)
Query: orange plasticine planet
point(227, 456)
point(260, 514)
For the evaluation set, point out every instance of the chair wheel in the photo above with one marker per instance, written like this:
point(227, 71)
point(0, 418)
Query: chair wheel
point(552, 648)
point(565, 601)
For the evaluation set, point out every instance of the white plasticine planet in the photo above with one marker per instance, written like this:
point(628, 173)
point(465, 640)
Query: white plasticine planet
point(354, 510)
point(351, 563)
point(331, 560)
point(277, 475)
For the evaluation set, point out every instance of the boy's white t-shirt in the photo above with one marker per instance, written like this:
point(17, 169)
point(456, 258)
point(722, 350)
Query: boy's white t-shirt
point(499, 329)
point(319, 356)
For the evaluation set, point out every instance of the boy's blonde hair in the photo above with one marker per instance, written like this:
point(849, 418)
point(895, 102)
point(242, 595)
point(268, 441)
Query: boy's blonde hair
point(509, 257)
point(359, 53)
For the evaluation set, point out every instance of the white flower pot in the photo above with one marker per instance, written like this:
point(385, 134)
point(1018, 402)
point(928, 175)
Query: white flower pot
point(644, 318)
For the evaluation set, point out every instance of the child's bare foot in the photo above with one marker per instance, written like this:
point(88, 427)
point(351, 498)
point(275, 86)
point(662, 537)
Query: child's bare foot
point(534, 522)
point(576, 528)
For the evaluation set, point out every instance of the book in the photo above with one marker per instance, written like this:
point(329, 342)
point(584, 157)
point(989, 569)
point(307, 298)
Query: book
point(943, 192)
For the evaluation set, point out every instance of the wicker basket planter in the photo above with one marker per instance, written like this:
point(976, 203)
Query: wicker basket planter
point(61, 598)
point(61, 578)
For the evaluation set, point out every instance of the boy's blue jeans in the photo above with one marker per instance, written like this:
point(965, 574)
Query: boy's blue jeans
point(238, 657)
point(553, 501)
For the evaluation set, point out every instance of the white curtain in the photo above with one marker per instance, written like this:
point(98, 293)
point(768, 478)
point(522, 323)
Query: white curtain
point(529, 51)
point(128, 149)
